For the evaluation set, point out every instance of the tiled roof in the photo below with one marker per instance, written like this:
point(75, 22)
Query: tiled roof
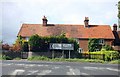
point(74, 31)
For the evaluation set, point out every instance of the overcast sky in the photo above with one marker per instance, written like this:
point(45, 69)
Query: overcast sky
point(16, 12)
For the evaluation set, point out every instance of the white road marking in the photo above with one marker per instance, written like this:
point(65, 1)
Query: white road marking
point(31, 65)
point(56, 67)
point(112, 69)
point(32, 72)
point(44, 72)
point(68, 66)
point(71, 70)
point(83, 73)
point(7, 64)
point(100, 68)
point(18, 72)
point(39, 65)
point(20, 64)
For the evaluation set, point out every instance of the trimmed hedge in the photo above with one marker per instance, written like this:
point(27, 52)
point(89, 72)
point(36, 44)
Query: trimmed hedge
point(102, 55)
point(107, 55)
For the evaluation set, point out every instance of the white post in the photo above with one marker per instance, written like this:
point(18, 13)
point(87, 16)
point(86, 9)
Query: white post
point(63, 54)
point(53, 54)
point(69, 54)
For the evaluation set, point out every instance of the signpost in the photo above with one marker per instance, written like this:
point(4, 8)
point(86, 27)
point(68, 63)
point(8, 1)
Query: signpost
point(62, 46)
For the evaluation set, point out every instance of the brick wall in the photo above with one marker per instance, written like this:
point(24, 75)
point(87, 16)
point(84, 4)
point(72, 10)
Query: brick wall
point(83, 44)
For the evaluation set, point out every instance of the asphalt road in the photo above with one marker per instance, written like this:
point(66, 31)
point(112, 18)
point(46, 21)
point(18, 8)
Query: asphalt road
point(57, 68)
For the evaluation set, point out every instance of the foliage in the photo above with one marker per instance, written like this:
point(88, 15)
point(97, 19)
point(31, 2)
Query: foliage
point(4, 57)
point(17, 58)
point(93, 44)
point(38, 43)
point(119, 9)
point(115, 61)
point(18, 44)
point(109, 55)
point(25, 47)
point(38, 58)
point(106, 48)
point(5, 47)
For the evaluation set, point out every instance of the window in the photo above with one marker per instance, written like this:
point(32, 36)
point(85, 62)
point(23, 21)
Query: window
point(101, 41)
point(27, 38)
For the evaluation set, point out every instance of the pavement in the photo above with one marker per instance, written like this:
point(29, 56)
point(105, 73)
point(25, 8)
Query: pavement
point(24, 67)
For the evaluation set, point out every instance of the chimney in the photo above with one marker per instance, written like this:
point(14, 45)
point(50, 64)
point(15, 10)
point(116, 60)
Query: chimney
point(86, 22)
point(115, 27)
point(44, 21)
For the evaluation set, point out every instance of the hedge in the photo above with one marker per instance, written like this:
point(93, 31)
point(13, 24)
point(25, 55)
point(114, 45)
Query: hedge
point(104, 55)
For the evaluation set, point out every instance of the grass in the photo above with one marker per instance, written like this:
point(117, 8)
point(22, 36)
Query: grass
point(42, 58)
point(17, 58)
point(115, 61)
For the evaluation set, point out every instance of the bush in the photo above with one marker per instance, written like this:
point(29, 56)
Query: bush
point(4, 57)
point(38, 58)
point(17, 58)
point(106, 48)
point(109, 55)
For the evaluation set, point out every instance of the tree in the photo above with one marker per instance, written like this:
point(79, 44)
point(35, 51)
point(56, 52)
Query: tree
point(93, 44)
point(18, 44)
point(119, 9)
point(119, 14)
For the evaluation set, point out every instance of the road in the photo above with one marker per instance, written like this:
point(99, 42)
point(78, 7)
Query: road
point(57, 68)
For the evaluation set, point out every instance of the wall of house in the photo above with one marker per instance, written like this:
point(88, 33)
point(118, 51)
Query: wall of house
point(83, 43)
point(108, 42)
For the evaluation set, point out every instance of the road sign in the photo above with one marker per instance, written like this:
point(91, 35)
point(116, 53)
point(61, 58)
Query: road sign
point(67, 46)
point(55, 46)
point(62, 46)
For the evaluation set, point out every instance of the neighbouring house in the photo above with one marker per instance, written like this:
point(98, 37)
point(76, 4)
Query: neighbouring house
point(81, 33)
point(116, 43)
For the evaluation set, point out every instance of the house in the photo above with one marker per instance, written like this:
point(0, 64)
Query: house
point(116, 43)
point(82, 33)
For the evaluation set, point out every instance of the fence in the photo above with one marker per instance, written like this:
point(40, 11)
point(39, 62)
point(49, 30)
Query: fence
point(92, 56)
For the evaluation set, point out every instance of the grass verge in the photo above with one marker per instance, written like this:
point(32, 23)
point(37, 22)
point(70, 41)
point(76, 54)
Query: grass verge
point(42, 58)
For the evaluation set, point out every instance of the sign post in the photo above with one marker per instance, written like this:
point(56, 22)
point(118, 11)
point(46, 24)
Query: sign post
point(53, 54)
point(69, 54)
point(61, 46)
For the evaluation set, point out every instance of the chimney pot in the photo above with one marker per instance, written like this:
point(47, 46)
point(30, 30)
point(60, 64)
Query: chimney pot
point(115, 27)
point(44, 21)
point(86, 22)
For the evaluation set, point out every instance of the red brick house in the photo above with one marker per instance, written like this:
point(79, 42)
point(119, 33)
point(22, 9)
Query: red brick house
point(80, 32)
point(116, 44)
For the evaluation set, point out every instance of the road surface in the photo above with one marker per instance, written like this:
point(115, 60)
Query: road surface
point(57, 68)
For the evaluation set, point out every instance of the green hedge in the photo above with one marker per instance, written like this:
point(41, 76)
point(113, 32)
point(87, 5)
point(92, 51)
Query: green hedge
point(107, 55)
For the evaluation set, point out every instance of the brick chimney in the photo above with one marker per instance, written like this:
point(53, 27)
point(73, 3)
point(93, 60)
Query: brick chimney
point(115, 27)
point(44, 21)
point(86, 22)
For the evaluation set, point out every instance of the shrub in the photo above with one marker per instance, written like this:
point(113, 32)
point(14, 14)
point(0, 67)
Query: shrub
point(4, 57)
point(17, 58)
point(106, 48)
point(38, 58)
point(109, 55)
point(93, 44)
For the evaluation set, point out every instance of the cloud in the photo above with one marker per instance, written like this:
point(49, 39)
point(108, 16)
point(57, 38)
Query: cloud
point(16, 12)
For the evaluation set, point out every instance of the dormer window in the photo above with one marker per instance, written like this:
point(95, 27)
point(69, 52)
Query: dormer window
point(101, 41)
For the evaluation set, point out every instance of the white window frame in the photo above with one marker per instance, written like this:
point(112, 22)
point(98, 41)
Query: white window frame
point(26, 38)
point(80, 50)
point(101, 41)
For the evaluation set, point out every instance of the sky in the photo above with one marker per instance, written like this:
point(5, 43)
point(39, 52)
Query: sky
point(16, 12)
